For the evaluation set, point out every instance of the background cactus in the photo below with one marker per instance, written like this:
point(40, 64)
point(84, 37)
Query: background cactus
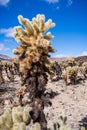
point(57, 70)
point(61, 126)
point(70, 74)
point(1, 73)
point(70, 61)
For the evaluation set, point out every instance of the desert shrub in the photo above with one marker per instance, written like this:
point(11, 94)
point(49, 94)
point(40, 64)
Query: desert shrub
point(70, 73)
point(68, 62)
point(83, 69)
point(8, 69)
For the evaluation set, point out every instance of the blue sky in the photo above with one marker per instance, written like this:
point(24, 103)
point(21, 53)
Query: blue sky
point(70, 17)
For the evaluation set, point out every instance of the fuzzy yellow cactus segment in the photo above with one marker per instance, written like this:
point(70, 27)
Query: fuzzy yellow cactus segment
point(15, 119)
point(6, 120)
point(26, 116)
point(17, 114)
point(20, 114)
point(8, 117)
point(83, 128)
point(19, 126)
point(36, 127)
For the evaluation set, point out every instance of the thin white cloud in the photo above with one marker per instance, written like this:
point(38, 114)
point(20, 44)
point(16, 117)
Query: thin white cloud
point(70, 2)
point(4, 2)
point(84, 53)
point(7, 32)
point(61, 55)
point(52, 1)
point(3, 48)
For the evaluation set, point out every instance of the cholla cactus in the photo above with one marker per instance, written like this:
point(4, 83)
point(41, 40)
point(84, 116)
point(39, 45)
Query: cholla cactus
point(36, 127)
point(62, 125)
point(84, 64)
point(8, 69)
point(57, 70)
point(33, 57)
point(83, 69)
point(83, 128)
point(70, 62)
point(15, 119)
point(70, 74)
point(32, 54)
point(16, 66)
point(1, 73)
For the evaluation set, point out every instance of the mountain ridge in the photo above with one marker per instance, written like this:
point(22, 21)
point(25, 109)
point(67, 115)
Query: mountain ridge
point(59, 59)
point(5, 58)
point(79, 58)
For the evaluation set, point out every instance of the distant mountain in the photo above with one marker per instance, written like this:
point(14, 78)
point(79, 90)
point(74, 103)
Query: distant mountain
point(58, 59)
point(5, 58)
point(79, 58)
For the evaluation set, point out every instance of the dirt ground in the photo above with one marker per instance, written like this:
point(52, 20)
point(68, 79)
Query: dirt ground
point(70, 101)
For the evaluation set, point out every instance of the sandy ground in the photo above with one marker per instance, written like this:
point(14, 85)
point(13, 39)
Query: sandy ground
point(70, 101)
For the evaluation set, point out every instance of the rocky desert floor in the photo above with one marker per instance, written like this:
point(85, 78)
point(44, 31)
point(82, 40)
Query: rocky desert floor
point(70, 101)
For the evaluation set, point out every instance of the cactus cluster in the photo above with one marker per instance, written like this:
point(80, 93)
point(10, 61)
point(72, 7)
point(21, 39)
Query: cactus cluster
point(15, 119)
point(71, 74)
point(71, 71)
point(7, 69)
point(70, 61)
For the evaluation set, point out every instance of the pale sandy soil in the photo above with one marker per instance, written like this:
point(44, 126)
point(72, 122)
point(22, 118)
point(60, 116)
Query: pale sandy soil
point(70, 101)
